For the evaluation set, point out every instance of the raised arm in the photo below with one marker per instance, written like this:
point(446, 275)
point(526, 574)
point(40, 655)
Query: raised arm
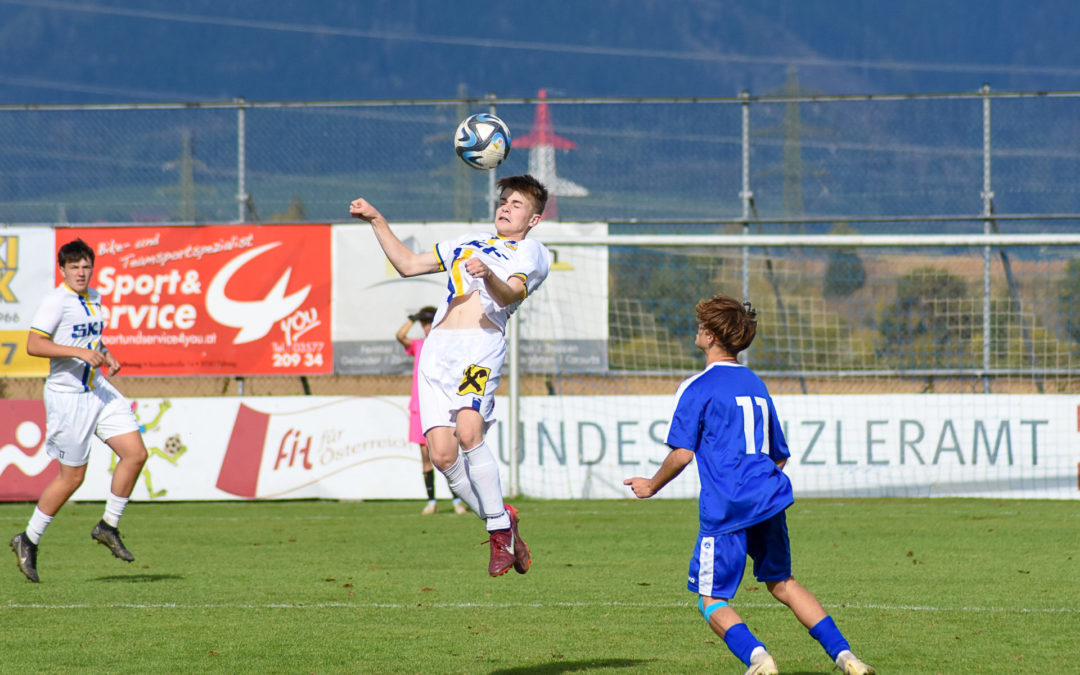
point(402, 334)
point(407, 262)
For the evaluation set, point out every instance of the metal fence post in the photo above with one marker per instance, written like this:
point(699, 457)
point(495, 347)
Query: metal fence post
point(241, 161)
point(513, 340)
point(988, 206)
point(242, 196)
point(493, 199)
point(513, 333)
point(746, 196)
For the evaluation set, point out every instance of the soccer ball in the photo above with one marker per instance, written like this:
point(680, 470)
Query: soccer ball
point(482, 141)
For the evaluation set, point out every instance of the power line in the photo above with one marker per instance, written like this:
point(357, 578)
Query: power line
point(83, 88)
point(550, 47)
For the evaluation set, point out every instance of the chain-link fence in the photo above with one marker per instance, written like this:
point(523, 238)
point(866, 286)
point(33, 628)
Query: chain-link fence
point(800, 159)
point(981, 162)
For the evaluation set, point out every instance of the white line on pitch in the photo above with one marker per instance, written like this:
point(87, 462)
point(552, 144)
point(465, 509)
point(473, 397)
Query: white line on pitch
point(511, 605)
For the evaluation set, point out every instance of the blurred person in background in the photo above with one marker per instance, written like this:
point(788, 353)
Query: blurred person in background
point(416, 434)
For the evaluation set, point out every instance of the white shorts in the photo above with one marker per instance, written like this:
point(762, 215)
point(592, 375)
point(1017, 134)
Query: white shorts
point(459, 369)
point(70, 418)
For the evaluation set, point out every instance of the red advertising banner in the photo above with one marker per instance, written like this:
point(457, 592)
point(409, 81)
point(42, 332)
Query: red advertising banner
point(216, 299)
point(25, 469)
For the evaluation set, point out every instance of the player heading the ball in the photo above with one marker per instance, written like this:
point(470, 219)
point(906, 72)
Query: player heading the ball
point(490, 273)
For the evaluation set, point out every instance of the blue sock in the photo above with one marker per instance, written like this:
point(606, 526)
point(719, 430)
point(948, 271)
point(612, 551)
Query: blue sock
point(741, 642)
point(830, 637)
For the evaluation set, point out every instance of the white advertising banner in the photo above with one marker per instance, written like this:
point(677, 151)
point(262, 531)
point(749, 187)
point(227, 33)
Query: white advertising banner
point(1002, 446)
point(942, 445)
point(845, 446)
point(271, 448)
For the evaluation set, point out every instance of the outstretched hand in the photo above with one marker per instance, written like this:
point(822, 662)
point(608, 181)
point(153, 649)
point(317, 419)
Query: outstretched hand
point(642, 487)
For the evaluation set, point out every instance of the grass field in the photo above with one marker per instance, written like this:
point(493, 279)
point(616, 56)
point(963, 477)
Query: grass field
point(918, 586)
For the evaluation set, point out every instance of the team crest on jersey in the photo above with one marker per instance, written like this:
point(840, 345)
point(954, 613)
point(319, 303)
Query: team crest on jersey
point(474, 380)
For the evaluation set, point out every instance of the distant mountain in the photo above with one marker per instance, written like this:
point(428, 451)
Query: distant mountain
point(638, 162)
point(53, 51)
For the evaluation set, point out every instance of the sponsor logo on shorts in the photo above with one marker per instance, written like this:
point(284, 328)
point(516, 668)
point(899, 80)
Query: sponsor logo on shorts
point(474, 380)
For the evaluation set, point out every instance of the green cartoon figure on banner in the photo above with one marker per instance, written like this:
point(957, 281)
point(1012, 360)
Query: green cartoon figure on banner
point(170, 451)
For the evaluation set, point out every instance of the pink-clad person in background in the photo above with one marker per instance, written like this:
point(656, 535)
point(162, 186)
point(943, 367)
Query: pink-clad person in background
point(413, 346)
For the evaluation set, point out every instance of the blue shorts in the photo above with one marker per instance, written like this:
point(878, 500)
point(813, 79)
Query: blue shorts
point(718, 562)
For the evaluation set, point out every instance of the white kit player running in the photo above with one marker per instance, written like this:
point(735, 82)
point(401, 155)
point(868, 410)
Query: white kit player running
point(490, 274)
point(79, 401)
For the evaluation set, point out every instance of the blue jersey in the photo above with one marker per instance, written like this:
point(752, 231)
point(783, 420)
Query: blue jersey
point(725, 415)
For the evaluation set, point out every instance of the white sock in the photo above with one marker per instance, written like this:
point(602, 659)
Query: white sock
point(484, 474)
point(457, 476)
point(36, 527)
point(114, 508)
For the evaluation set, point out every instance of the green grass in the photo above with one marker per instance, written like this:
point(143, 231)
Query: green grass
point(918, 586)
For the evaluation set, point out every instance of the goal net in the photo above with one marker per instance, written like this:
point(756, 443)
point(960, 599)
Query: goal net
point(900, 366)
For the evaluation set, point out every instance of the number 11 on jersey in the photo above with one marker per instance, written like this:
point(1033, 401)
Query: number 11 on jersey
point(747, 405)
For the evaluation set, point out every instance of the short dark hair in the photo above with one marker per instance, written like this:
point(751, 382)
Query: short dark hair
point(424, 315)
point(74, 251)
point(732, 323)
point(528, 186)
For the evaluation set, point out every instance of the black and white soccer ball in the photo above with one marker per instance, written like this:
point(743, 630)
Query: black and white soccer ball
point(482, 141)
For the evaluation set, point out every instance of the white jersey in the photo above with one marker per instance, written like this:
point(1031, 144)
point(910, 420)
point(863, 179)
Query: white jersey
point(529, 260)
point(71, 319)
